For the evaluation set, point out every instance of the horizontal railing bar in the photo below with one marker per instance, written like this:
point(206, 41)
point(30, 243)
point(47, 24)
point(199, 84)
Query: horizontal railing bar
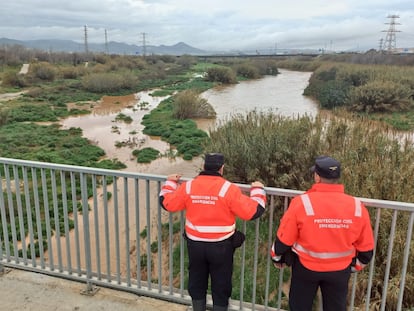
point(81, 169)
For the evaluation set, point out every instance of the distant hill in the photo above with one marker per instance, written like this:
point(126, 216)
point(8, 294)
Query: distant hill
point(113, 47)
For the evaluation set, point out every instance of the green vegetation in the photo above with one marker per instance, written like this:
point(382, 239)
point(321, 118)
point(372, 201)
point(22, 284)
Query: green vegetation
point(188, 105)
point(183, 134)
point(363, 88)
point(29, 141)
point(123, 117)
point(221, 74)
point(146, 155)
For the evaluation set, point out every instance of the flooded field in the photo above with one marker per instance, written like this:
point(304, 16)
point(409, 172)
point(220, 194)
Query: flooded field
point(282, 94)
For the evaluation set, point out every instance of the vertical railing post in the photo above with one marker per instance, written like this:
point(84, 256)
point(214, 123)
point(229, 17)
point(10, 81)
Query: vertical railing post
point(270, 239)
point(388, 261)
point(405, 261)
point(148, 209)
point(159, 220)
point(138, 231)
point(372, 263)
point(90, 290)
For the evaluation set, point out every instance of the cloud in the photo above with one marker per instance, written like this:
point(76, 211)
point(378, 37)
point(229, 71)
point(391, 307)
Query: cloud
point(211, 25)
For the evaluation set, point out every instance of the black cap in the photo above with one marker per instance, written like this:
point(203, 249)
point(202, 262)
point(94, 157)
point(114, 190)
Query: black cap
point(213, 161)
point(327, 167)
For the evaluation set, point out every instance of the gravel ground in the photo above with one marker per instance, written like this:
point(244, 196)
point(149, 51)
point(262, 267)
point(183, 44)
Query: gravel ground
point(22, 290)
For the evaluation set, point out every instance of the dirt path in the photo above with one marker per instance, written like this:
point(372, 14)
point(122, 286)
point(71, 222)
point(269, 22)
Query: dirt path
point(10, 96)
point(24, 70)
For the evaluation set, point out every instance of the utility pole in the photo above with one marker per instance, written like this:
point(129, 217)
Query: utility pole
point(390, 39)
point(106, 42)
point(86, 39)
point(144, 45)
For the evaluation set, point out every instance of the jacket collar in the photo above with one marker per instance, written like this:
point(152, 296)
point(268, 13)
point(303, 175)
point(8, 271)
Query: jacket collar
point(211, 173)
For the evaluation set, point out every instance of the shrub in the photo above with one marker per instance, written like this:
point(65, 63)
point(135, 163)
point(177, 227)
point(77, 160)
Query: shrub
point(186, 61)
point(123, 117)
point(43, 71)
point(355, 76)
point(318, 79)
point(266, 67)
point(4, 116)
point(13, 79)
point(381, 96)
point(69, 72)
point(187, 104)
point(247, 71)
point(265, 147)
point(32, 113)
point(333, 94)
point(108, 82)
point(325, 73)
point(221, 74)
point(146, 155)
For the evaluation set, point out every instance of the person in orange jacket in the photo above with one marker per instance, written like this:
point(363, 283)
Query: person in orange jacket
point(324, 235)
point(212, 204)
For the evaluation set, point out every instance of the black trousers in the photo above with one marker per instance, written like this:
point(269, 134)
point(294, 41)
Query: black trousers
point(305, 283)
point(214, 260)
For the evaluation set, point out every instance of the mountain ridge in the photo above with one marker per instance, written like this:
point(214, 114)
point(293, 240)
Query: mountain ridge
point(112, 47)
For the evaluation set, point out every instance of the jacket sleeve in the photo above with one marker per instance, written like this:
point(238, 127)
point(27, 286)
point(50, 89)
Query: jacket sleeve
point(259, 195)
point(278, 249)
point(365, 242)
point(247, 207)
point(172, 196)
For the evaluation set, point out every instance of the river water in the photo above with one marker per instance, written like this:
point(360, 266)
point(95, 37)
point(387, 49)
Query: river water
point(281, 94)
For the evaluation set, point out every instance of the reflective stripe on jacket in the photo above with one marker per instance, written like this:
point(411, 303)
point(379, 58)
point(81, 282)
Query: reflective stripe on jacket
point(326, 227)
point(208, 231)
point(212, 204)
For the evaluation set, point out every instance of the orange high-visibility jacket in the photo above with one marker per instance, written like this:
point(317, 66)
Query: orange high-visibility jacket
point(212, 204)
point(326, 227)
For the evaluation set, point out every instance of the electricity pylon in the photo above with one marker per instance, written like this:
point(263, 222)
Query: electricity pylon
point(390, 42)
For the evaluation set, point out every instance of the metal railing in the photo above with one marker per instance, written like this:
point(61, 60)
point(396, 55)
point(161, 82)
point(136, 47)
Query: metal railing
point(106, 228)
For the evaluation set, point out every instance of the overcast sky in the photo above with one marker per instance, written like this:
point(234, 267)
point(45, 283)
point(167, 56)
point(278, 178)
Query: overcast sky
point(215, 25)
